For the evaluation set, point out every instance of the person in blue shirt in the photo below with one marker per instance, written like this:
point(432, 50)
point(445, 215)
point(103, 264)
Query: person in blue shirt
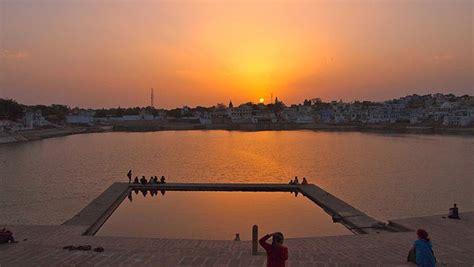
point(423, 250)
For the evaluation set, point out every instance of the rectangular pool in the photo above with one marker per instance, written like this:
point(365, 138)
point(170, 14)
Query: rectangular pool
point(218, 215)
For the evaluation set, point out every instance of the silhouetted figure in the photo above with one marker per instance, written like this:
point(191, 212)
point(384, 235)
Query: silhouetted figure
point(163, 192)
point(422, 251)
point(143, 180)
point(144, 192)
point(155, 180)
point(151, 180)
point(291, 182)
point(130, 196)
point(454, 212)
point(136, 191)
point(237, 237)
point(162, 180)
point(277, 254)
point(304, 181)
point(135, 181)
point(129, 175)
point(296, 193)
point(6, 236)
point(296, 180)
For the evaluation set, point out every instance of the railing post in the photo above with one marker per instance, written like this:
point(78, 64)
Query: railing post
point(255, 240)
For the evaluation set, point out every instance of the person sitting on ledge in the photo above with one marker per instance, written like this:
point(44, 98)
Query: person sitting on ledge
point(296, 180)
point(304, 181)
point(162, 180)
point(454, 212)
point(143, 180)
point(151, 180)
point(277, 254)
point(136, 180)
point(6, 236)
point(155, 180)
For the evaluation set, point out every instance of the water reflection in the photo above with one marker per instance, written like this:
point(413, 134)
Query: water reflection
point(153, 192)
point(217, 215)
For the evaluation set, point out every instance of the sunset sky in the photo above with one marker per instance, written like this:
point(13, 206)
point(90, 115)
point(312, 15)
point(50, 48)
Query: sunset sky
point(94, 53)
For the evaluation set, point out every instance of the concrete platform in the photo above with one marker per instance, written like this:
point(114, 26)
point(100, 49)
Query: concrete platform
point(453, 243)
point(96, 213)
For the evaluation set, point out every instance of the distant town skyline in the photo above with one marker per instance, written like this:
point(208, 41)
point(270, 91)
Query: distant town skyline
point(95, 54)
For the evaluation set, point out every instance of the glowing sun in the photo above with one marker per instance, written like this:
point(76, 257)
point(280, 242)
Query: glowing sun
point(262, 99)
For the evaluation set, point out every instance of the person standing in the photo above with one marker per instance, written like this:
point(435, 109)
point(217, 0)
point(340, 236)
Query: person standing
point(129, 175)
point(277, 254)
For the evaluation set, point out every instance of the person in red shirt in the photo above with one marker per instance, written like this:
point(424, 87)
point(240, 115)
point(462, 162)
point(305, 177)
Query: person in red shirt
point(277, 254)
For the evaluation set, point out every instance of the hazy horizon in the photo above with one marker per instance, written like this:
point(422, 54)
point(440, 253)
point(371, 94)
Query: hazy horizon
point(106, 54)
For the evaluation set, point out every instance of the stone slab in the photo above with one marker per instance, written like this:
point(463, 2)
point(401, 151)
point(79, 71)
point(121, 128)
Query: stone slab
point(101, 207)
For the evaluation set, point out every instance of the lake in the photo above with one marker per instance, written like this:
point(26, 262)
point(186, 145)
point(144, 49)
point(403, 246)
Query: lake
point(386, 175)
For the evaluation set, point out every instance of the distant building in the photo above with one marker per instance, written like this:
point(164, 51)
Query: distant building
point(241, 114)
point(144, 115)
point(459, 118)
point(83, 117)
point(4, 125)
point(131, 117)
point(33, 119)
point(205, 118)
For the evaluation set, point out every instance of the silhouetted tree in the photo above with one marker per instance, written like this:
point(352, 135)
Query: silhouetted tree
point(176, 113)
point(10, 109)
point(100, 113)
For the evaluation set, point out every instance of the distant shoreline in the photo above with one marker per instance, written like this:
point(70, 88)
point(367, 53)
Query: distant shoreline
point(144, 127)
point(39, 134)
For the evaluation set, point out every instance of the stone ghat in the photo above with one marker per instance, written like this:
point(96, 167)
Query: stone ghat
point(96, 213)
point(42, 245)
point(453, 244)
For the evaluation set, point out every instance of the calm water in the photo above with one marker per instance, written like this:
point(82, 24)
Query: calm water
point(387, 176)
point(218, 216)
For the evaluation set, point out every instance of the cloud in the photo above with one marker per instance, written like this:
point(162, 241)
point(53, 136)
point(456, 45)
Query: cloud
point(12, 54)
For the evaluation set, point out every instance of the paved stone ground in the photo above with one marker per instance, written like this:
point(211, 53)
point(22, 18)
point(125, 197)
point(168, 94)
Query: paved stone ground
point(453, 242)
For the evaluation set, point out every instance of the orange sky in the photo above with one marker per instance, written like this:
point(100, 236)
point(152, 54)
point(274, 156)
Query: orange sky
point(95, 53)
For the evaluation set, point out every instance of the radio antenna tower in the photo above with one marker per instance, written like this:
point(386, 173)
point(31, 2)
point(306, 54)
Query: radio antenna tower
point(152, 99)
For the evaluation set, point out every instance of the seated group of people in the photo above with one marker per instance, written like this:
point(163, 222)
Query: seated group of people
point(296, 181)
point(143, 180)
point(153, 180)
